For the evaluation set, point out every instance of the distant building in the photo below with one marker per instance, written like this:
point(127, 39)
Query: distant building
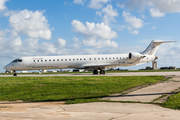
point(78, 70)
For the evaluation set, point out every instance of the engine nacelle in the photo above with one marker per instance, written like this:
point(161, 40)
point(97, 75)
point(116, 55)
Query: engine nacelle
point(135, 55)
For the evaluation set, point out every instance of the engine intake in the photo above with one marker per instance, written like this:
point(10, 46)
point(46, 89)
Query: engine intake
point(135, 55)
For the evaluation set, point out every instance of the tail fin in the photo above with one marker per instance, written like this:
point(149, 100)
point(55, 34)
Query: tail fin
point(152, 48)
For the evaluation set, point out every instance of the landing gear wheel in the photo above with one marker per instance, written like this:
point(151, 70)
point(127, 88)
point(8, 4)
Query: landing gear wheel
point(95, 72)
point(102, 71)
point(14, 74)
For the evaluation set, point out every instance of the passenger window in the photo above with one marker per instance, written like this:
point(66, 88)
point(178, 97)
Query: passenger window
point(89, 58)
point(45, 60)
point(69, 59)
point(57, 59)
point(65, 59)
point(73, 59)
point(37, 60)
point(113, 57)
point(77, 59)
point(106, 58)
point(41, 60)
point(94, 58)
point(34, 61)
point(98, 58)
point(80, 59)
point(102, 58)
point(117, 58)
point(53, 59)
point(49, 60)
point(109, 58)
point(84, 58)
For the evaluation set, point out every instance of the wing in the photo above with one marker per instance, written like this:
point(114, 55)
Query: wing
point(100, 66)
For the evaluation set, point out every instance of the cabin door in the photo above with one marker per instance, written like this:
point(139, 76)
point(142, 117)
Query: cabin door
point(29, 62)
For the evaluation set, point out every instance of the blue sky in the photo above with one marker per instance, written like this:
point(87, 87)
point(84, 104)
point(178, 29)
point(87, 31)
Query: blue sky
point(66, 27)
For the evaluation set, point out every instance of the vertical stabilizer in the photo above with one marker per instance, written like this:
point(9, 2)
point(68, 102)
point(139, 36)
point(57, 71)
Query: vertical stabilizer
point(152, 48)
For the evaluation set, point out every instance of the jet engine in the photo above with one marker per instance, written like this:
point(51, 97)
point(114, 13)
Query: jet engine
point(135, 55)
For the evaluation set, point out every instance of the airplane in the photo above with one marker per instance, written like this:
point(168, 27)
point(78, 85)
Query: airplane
point(91, 62)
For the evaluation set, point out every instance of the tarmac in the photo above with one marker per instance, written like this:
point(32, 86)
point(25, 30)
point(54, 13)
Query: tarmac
point(177, 73)
point(102, 110)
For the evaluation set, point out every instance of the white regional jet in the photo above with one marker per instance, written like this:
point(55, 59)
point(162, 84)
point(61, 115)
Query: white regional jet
point(93, 62)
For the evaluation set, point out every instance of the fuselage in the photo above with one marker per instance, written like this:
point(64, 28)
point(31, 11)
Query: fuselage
point(75, 61)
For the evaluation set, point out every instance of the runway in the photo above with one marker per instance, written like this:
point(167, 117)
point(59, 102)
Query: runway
point(176, 73)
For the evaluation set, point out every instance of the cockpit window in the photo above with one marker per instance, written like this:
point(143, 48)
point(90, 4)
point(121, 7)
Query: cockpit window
point(14, 60)
point(17, 60)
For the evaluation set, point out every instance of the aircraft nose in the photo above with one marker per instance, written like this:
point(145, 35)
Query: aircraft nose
point(6, 67)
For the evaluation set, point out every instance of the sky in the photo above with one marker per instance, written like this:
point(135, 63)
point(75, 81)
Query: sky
point(80, 27)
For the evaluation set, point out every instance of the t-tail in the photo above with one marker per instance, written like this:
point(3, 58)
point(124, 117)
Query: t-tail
point(152, 48)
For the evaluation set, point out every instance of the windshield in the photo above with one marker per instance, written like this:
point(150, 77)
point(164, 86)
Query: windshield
point(17, 60)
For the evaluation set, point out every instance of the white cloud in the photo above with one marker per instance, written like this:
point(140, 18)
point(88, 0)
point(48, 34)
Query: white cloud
point(10, 12)
point(95, 35)
point(2, 5)
point(168, 51)
point(10, 46)
point(29, 23)
point(97, 4)
point(120, 5)
point(79, 2)
point(156, 13)
point(76, 39)
point(47, 48)
point(91, 51)
point(134, 32)
point(157, 8)
point(170, 6)
point(100, 43)
point(121, 27)
point(109, 14)
point(135, 22)
point(3, 33)
point(153, 27)
point(15, 47)
point(143, 16)
point(61, 42)
point(99, 13)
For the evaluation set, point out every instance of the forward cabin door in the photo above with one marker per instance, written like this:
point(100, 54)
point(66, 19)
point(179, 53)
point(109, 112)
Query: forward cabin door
point(29, 62)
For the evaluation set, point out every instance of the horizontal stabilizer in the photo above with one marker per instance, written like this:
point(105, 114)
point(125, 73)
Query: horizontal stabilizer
point(152, 48)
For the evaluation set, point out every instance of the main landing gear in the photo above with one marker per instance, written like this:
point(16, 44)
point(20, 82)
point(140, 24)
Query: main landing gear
point(14, 73)
point(96, 71)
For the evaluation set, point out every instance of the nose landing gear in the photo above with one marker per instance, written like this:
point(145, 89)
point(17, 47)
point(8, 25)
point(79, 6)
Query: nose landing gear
point(14, 73)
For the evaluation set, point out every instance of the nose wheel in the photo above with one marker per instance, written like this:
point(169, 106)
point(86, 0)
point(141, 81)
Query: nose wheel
point(14, 73)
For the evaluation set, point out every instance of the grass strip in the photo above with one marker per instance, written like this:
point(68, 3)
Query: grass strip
point(173, 102)
point(34, 89)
